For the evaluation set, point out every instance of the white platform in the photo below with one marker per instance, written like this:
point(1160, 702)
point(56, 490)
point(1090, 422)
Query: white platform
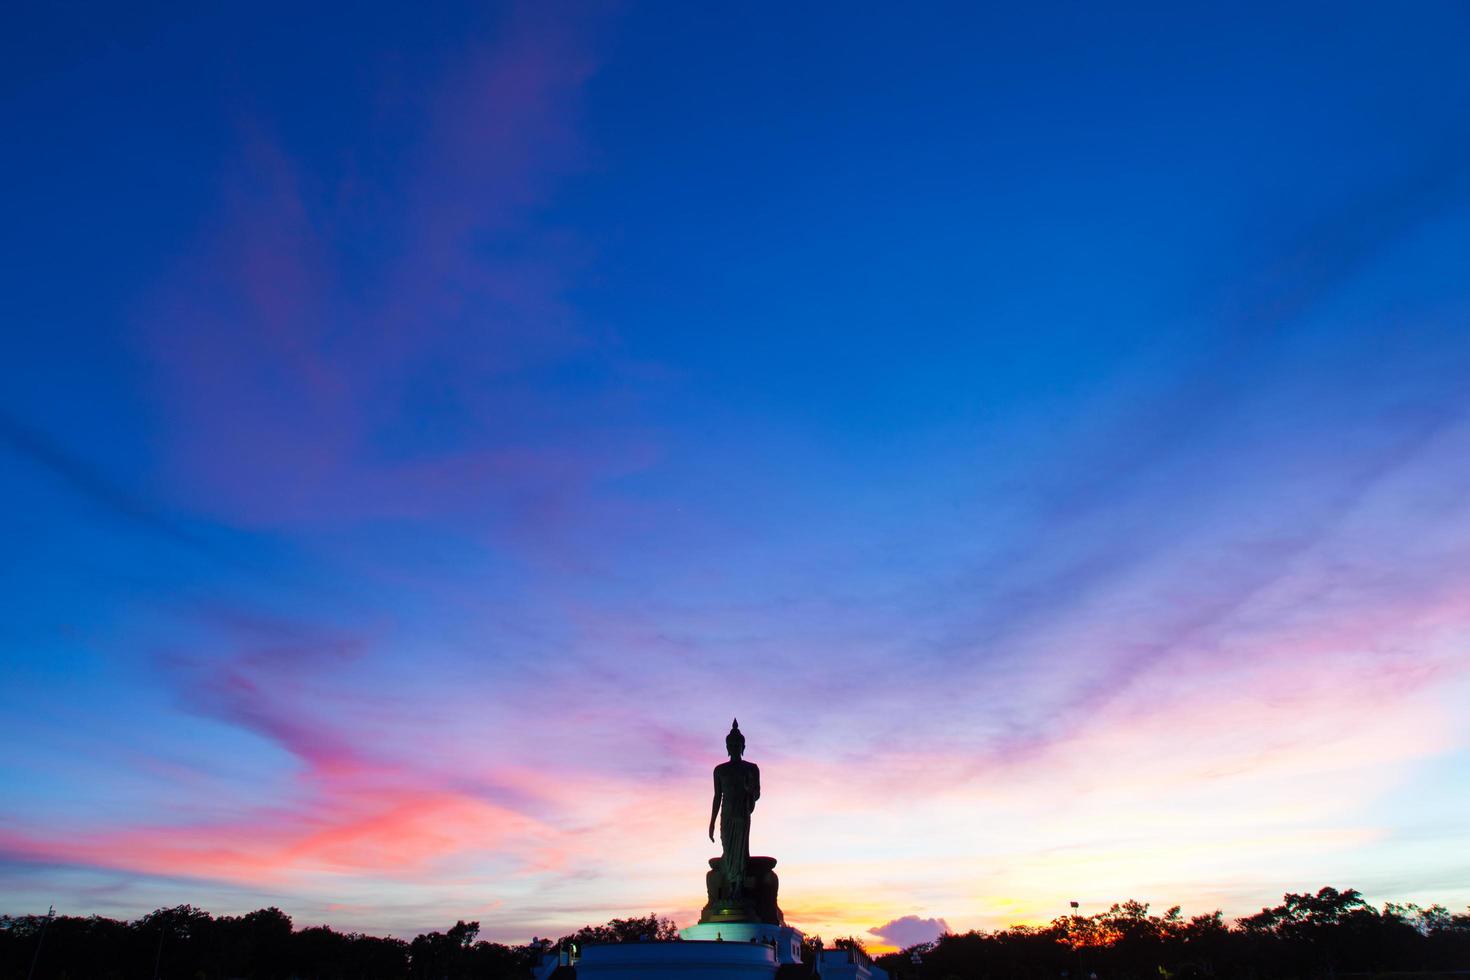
point(689, 960)
point(724, 950)
point(786, 940)
point(845, 964)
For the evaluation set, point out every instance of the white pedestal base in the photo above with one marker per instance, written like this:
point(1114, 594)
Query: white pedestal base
point(786, 939)
point(678, 961)
point(724, 950)
point(742, 951)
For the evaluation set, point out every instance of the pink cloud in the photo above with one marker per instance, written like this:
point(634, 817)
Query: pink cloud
point(393, 831)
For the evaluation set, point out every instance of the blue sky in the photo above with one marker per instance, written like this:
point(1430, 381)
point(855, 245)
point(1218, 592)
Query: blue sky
point(1045, 428)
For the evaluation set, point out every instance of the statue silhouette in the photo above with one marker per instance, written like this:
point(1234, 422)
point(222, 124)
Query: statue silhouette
point(737, 787)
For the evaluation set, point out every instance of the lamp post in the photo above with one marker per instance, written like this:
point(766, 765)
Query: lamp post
point(158, 953)
point(50, 913)
point(1076, 949)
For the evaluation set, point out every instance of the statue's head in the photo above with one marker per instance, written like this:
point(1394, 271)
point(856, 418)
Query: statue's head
point(735, 742)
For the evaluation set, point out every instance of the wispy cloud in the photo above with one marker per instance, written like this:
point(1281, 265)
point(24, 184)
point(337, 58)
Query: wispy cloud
point(297, 338)
point(97, 488)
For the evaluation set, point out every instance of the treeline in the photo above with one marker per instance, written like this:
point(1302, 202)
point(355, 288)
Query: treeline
point(186, 943)
point(1332, 934)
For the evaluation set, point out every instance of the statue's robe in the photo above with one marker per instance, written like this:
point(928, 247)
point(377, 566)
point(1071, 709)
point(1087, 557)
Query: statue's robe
point(737, 787)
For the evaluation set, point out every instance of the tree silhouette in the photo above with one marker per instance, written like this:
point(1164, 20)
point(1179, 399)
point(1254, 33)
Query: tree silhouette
point(639, 929)
point(1324, 934)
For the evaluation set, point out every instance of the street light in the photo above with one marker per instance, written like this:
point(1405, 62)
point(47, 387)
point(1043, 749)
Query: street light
point(50, 914)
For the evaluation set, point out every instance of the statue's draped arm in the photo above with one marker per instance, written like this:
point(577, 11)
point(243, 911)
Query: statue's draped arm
point(714, 808)
point(755, 784)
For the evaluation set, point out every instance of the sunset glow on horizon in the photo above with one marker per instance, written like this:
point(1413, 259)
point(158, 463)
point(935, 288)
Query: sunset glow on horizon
point(1047, 430)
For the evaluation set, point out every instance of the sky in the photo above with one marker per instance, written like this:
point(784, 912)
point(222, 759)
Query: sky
point(1045, 426)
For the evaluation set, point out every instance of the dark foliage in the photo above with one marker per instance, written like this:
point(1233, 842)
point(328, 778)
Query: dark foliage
point(1330, 934)
point(648, 928)
point(186, 943)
